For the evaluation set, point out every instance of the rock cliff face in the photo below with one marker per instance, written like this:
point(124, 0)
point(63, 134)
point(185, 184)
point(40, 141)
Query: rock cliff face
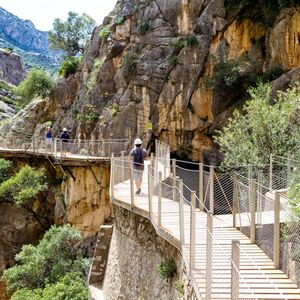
point(172, 70)
point(11, 68)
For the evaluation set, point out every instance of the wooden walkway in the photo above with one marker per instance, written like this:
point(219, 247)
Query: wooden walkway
point(258, 277)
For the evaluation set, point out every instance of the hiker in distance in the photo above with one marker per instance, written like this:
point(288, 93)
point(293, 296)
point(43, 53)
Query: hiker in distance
point(64, 140)
point(48, 139)
point(137, 157)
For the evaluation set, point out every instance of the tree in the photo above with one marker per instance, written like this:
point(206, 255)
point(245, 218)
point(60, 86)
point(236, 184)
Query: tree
point(23, 186)
point(71, 35)
point(261, 128)
point(56, 255)
point(36, 84)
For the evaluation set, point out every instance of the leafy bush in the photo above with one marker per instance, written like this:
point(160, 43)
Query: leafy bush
point(23, 186)
point(260, 129)
point(173, 60)
point(167, 268)
point(69, 66)
point(121, 20)
point(56, 255)
point(143, 27)
point(5, 166)
point(179, 286)
point(36, 84)
point(104, 32)
point(191, 40)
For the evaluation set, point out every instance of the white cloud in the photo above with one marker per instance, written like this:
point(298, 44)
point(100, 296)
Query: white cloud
point(43, 12)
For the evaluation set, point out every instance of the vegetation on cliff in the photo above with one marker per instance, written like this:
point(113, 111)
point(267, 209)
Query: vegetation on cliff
point(36, 84)
point(262, 127)
point(54, 269)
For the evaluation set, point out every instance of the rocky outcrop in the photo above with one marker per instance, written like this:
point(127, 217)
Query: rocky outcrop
point(85, 202)
point(11, 67)
point(173, 70)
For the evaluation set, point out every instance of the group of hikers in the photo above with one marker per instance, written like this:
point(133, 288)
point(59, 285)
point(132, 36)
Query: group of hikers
point(64, 137)
point(137, 155)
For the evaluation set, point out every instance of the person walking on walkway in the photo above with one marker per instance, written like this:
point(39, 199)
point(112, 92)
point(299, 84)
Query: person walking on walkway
point(48, 139)
point(137, 157)
point(64, 140)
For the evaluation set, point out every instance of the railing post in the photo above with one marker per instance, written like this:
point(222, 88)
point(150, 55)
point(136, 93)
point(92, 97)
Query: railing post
point(276, 250)
point(201, 190)
point(159, 197)
point(61, 148)
point(174, 177)
point(252, 210)
point(271, 173)
point(193, 231)
point(235, 267)
point(131, 186)
point(150, 190)
point(288, 173)
point(234, 201)
point(112, 177)
point(123, 165)
point(209, 240)
point(181, 212)
point(211, 189)
point(55, 148)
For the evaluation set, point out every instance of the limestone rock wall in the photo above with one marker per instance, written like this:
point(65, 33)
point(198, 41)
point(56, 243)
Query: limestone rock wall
point(135, 253)
point(172, 70)
point(85, 202)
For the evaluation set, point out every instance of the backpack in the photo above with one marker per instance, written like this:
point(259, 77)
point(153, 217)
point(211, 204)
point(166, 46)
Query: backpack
point(138, 156)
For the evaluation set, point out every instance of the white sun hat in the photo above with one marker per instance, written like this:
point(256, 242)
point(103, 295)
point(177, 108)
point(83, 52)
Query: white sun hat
point(65, 129)
point(138, 141)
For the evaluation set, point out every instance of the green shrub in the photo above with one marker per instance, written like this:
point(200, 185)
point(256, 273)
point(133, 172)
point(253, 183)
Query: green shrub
point(167, 268)
point(179, 286)
point(191, 40)
point(178, 45)
point(23, 186)
point(69, 66)
point(36, 84)
point(56, 256)
point(104, 32)
point(121, 20)
point(143, 27)
point(5, 167)
point(115, 109)
point(260, 129)
point(173, 60)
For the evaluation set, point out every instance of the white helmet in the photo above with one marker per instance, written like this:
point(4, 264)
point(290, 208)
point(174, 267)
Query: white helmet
point(138, 141)
point(65, 129)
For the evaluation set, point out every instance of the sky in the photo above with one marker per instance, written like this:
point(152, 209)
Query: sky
point(43, 12)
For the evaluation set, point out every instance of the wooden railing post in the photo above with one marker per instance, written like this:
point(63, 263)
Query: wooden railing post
point(235, 267)
point(150, 190)
point(112, 177)
point(271, 173)
point(131, 186)
point(276, 250)
point(159, 197)
point(252, 210)
point(209, 243)
point(193, 231)
point(211, 189)
point(181, 212)
point(234, 201)
point(201, 189)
